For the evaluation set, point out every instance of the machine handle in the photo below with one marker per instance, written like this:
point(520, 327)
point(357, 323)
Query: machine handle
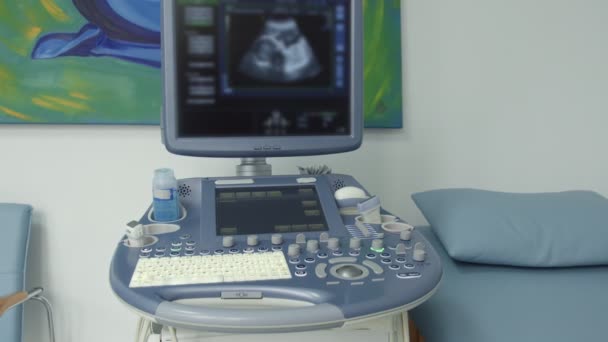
point(320, 316)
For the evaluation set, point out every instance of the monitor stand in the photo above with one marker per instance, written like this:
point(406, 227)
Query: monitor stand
point(253, 167)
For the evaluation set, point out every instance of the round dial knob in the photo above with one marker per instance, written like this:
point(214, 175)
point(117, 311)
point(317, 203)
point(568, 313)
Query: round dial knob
point(419, 252)
point(293, 250)
point(324, 237)
point(400, 249)
point(312, 246)
point(406, 235)
point(252, 240)
point(228, 241)
point(301, 238)
point(277, 239)
point(333, 243)
point(377, 244)
point(355, 243)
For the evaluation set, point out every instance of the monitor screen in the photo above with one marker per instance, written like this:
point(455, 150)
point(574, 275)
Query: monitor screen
point(267, 210)
point(269, 72)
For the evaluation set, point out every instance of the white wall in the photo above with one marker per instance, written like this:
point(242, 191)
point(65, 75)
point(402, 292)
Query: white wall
point(507, 95)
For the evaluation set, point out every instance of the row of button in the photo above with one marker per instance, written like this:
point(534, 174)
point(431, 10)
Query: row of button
point(335, 251)
point(409, 275)
point(401, 275)
point(180, 243)
point(333, 244)
point(267, 148)
point(189, 251)
point(355, 253)
point(353, 283)
point(395, 267)
point(320, 269)
point(176, 246)
point(295, 261)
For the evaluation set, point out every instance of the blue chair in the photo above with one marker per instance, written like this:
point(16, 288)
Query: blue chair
point(15, 222)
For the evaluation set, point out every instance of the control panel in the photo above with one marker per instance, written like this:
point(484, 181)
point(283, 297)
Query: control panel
point(303, 240)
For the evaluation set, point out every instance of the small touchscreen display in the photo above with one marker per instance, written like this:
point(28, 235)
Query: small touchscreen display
point(269, 210)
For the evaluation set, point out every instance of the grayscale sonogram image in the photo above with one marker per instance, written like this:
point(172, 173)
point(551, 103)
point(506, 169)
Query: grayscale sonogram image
point(287, 51)
point(281, 54)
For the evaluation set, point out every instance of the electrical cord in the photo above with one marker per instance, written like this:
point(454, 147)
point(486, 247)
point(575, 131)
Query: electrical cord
point(146, 328)
point(173, 334)
point(143, 330)
point(138, 330)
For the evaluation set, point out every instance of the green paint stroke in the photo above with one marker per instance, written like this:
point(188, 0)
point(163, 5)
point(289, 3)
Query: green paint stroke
point(383, 64)
point(109, 91)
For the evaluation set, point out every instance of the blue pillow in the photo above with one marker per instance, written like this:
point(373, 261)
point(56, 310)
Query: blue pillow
point(533, 230)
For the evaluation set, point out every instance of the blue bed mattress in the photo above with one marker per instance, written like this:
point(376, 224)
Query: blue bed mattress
point(481, 303)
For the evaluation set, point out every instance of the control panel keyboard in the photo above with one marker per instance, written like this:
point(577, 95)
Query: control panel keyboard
point(305, 241)
point(209, 269)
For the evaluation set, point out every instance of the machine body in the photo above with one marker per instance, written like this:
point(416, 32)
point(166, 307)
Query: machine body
point(332, 270)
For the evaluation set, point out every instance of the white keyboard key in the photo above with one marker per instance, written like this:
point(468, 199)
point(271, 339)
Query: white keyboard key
point(210, 269)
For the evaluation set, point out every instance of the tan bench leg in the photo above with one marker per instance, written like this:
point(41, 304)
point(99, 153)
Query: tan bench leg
point(8, 302)
point(415, 333)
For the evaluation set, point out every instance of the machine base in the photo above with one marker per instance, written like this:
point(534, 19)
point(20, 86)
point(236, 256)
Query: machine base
point(394, 328)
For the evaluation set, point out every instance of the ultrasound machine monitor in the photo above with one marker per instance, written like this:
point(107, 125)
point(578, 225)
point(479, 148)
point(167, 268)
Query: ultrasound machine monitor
point(262, 78)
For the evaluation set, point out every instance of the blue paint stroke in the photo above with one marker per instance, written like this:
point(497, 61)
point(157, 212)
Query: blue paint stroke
point(123, 29)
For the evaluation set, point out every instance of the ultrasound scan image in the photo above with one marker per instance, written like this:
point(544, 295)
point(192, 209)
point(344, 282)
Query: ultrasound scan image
point(281, 54)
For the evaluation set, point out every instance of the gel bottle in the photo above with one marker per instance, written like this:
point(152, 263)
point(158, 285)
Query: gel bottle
point(164, 189)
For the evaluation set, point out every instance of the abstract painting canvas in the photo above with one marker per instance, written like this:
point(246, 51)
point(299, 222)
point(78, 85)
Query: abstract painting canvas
point(98, 62)
point(383, 67)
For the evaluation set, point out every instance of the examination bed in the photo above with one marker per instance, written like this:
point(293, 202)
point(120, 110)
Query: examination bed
point(517, 266)
point(482, 303)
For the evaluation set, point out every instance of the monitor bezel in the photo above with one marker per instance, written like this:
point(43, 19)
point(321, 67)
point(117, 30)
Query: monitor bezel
point(258, 147)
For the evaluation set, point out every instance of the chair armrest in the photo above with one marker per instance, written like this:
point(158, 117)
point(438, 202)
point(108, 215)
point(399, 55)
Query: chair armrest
point(6, 303)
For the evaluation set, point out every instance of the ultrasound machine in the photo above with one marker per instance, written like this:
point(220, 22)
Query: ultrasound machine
point(297, 257)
